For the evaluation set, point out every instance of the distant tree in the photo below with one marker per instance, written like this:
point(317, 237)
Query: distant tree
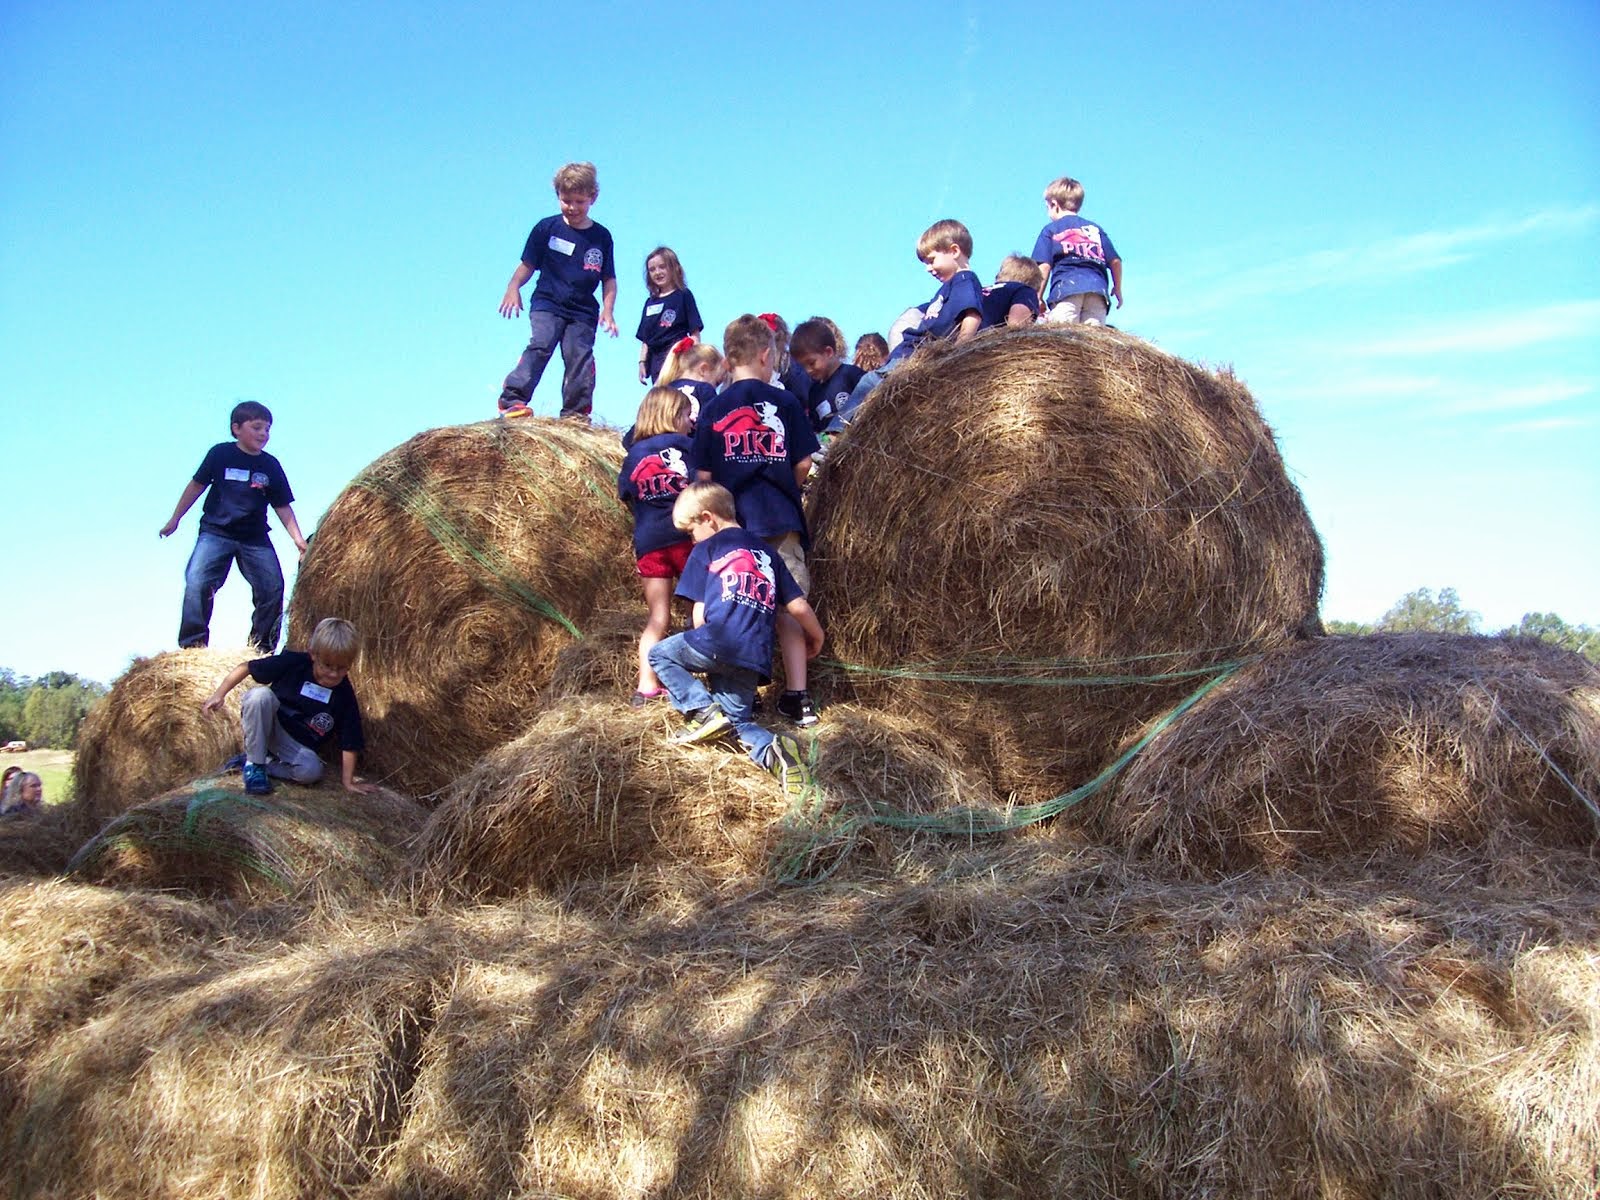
point(1548, 627)
point(1421, 610)
point(1347, 627)
point(47, 711)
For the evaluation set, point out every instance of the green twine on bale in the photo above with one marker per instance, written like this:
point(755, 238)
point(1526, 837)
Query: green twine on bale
point(806, 833)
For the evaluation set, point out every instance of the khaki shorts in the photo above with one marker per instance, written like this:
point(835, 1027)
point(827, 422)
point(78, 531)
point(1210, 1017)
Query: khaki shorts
point(1086, 308)
point(794, 557)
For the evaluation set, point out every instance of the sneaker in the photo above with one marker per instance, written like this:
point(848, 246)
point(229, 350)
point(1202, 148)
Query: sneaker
point(256, 782)
point(798, 708)
point(640, 699)
point(236, 763)
point(706, 725)
point(785, 762)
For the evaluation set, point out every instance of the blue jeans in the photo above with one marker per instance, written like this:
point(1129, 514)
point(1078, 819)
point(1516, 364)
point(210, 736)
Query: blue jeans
point(732, 689)
point(213, 557)
point(576, 339)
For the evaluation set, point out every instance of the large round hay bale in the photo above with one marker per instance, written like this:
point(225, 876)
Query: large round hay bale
point(468, 557)
point(41, 843)
point(1407, 744)
point(148, 735)
point(1017, 527)
point(212, 839)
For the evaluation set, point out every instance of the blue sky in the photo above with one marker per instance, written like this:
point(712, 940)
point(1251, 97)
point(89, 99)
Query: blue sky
point(1385, 218)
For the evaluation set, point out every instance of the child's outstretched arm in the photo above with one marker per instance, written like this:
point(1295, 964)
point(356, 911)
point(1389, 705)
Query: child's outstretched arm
point(608, 302)
point(511, 302)
point(1116, 280)
point(800, 609)
point(347, 771)
point(291, 526)
point(191, 493)
point(229, 681)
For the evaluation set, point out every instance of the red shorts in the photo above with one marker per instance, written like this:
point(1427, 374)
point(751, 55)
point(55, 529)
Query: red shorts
point(667, 562)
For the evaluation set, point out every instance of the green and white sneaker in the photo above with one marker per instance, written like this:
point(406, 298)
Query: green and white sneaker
point(704, 726)
point(787, 764)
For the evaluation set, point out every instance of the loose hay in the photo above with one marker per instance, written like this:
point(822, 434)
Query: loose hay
point(1401, 744)
point(148, 735)
point(464, 556)
point(213, 840)
point(1064, 505)
point(42, 842)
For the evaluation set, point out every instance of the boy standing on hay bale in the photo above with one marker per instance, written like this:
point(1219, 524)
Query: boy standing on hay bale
point(1078, 254)
point(955, 312)
point(572, 255)
point(306, 701)
point(756, 440)
point(244, 480)
point(737, 585)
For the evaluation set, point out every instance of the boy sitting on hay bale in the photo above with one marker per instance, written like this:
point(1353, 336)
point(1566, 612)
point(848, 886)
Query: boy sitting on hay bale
point(737, 584)
point(306, 700)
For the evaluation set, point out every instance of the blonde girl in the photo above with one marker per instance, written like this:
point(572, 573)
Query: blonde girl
point(696, 368)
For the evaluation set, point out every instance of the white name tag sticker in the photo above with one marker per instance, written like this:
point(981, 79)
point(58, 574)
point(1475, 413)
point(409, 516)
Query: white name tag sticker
point(651, 310)
point(236, 474)
point(561, 246)
point(315, 691)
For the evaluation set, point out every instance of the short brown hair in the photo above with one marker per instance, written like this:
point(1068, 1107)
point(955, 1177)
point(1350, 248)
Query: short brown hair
point(336, 642)
point(813, 337)
point(577, 177)
point(699, 497)
point(745, 338)
point(1067, 192)
point(941, 234)
point(661, 411)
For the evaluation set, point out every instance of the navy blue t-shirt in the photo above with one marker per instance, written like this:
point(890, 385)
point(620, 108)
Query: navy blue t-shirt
point(828, 396)
point(655, 470)
point(963, 293)
point(241, 487)
point(743, 583)
point(1002, 297)
point(667, 318)
point(309, 712)
point(750, 438)
point(571, 264)
point(794, 380)
point(1079, 253)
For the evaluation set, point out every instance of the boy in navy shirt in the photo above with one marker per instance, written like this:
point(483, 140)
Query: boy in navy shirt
point(814, 347)
point(572, 256)
point(738, 586)
point(1079, 256)
point(307, 700)
point(1014, 298)
point(243, 482)
point(756, 440)
point(955, 312)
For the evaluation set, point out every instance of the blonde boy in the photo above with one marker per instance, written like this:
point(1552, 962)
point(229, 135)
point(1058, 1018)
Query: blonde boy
point(1079, 257)
point(572, 255)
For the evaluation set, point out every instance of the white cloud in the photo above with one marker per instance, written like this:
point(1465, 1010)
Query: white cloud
point(1491, 333)
point(1547, 425)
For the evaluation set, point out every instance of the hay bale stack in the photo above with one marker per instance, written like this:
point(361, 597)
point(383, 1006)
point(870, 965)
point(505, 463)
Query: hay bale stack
point(213, 840)
point(148, 735)
point(1393, 744)
point(466, 557)
point(1066, 504)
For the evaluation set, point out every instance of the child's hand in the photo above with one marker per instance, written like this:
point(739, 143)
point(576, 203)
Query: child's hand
point(814, 640)
point(608, 324)
point(644, 373)
point(359, 788)
point(168, 529)
point(511, 304)
point(211, 703)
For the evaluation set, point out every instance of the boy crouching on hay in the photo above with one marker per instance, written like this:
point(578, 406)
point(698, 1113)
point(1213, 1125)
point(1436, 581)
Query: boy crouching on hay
point(306, 701)
point(737, 584)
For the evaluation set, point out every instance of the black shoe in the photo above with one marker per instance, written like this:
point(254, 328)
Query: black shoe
point(798, 708)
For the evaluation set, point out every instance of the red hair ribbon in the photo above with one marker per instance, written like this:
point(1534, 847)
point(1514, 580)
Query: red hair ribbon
point(772, 321)
point(683, 345)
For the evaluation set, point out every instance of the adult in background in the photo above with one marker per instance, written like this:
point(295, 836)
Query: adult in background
point(23, 794)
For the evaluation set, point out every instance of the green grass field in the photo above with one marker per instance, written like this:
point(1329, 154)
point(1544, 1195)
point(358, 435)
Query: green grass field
point(54, 768)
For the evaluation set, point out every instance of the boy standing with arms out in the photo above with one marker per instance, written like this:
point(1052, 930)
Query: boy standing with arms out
point(244, 480)
point(572, 256)
point(757, 441)
point(306, 701)
point(1079, 256)
point(737, 585)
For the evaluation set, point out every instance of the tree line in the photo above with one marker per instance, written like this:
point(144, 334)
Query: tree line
point(47, 711)
point(1443, 613)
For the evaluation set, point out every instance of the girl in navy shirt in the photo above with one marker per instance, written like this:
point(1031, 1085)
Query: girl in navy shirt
point(669, 314)
point(655, 470)
point(697, 368)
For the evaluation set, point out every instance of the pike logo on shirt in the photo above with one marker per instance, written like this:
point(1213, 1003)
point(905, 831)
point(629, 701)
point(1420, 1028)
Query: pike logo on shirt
point(1081, 241)
point(753, 432)
point(660, 475)
point(747, 578)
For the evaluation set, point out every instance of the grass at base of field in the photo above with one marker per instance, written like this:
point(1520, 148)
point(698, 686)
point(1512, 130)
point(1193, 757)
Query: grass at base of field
point(54, 768)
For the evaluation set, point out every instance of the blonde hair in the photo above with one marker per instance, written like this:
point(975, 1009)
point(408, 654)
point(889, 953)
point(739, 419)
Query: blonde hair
point(941, 234)
point(661, 411)
point(1018, 268)
point(577, 177)
point(1066, 192)
point(700, 356)
point(675, 279)
point(699, 498)
point(335, 641)
point(746, 337)
point(871, 351)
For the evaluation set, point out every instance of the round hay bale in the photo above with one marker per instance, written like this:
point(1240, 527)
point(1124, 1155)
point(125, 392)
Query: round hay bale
point(1070, 507)
point(147, 735)
point(469, 558)
point(1402, 744)
point(214, 840)
point(41, 843)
